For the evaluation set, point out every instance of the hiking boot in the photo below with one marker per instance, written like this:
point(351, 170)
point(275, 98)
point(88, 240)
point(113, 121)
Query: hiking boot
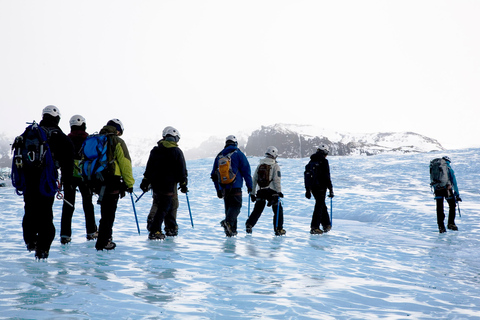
point(280, 232)
point(31, 246)
point(248, 228)
point(109, 246)
point(327, 228)
point(158, 235)
point(92, 236)
point(452, 226)
point(316, 231)
point(442, 229)
point(65, 239)
point(41, 254)
point(171, 232)
point(228, 229)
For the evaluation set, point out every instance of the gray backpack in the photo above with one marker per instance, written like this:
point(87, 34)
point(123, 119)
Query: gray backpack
point(439, 174)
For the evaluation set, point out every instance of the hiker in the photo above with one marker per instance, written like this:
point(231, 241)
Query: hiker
point(40, 179)
point(317, 181)
point(77, 136)
point(230, 168)
point(116, 183)
point(165, 168)
point(267, 176)
point(444, 188)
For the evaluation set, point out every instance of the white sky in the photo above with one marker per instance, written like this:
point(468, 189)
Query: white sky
point(219, 67)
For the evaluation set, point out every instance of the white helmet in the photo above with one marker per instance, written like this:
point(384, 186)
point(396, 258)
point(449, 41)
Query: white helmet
point(447, 158)
point(77, 120)
point(231, 138)
point(51, 110)
point(117, 124)
point(323, 148)
point(170, 131)
point(272, 151)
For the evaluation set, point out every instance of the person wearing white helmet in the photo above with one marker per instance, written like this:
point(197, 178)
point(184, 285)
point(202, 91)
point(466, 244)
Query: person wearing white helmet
point(118, 181)
point(38, 227)
point(165, 169)
point(450, 193)
point(230, 188)
point(77, 136)
point(267, 178)
point(317, 181)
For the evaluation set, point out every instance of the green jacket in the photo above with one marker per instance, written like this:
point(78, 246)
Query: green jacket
point(122, 163)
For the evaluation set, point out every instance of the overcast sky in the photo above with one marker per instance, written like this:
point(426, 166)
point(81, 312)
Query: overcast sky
point(219, 67)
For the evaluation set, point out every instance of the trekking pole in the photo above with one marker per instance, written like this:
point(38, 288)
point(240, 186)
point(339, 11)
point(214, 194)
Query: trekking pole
point(138, 198)
point(278, 213)
point(190, 211)
point(459, 212)
point(248, 206)
point(135, 212)
point(331, 211)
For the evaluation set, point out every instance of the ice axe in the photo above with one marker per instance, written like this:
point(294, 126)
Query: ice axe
point(135, 212)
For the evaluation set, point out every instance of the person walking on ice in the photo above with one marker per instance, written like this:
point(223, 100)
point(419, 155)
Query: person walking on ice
point(444, 185)
point(267, 177)
point(317, 181)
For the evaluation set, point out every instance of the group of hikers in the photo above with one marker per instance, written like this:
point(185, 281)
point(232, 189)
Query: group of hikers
point(101, 164)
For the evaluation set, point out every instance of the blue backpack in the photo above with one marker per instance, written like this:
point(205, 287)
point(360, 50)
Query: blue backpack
point(95, 160)
point(32, 154)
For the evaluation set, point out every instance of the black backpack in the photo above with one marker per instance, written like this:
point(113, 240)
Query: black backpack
point(263, 175)
point(439, 178)
point(312, 172)
point(32, 153)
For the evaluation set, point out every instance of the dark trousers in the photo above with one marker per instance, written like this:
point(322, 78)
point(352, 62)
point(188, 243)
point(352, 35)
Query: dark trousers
point(67, 210)
point(265, 196)
point(38, 220)
point(164, 204)
point(108, 208)
point(170, 216)
point(233, 203)
point(439, 196)
point(320, 212)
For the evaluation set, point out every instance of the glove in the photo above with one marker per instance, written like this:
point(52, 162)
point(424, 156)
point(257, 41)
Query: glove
point(183, 188)
point(458, 199)
point(130, 190)
point(280, 195)
point(308, 194)
point(145, 185)
point(253, 198)
point(219, 194)
point(331, 195)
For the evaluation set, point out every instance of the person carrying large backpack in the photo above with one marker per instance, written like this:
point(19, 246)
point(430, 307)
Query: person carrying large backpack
point(39, 152)
point(117, 180)
point(77, 135)
point(165, 169)
point(230, 168)
point(317, 181)
point(267, 177)
point(444, 185)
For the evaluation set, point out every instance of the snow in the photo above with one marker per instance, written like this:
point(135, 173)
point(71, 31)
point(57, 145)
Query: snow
point(383, 259)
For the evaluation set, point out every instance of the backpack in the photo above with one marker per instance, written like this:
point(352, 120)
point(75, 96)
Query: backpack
point(95, 160)
point(263, 175)
point(439, 174)
point(312, 171)
point(32, 153)
point(225, 171)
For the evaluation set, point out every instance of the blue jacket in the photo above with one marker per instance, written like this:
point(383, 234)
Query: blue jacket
point(239, 164)
point(453, 180)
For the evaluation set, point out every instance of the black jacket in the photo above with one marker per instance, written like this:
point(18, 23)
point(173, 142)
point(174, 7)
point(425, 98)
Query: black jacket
point(166, 167)
point(317, 173)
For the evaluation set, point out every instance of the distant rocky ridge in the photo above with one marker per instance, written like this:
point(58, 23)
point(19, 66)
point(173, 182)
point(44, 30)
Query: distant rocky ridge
point(299, 141)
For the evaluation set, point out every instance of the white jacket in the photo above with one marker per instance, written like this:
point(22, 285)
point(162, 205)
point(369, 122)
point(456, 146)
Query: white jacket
point(275, 175)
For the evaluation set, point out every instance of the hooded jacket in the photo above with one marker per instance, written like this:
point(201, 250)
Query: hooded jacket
point(166, 167)
point(239, 164)
point(274, 178)
point(317, 173)
point(122, 163)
